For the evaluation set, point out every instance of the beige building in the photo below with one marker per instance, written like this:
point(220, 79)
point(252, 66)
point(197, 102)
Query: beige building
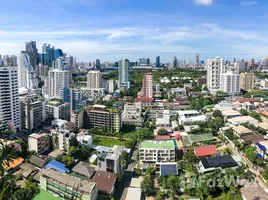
point(247, 81)
point(39, 143)
point(94, 79)
point(264, 83)
point(77, 118)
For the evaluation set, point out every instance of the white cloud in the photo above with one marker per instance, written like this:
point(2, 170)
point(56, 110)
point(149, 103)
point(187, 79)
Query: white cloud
point(249, 3)
point(203, 2)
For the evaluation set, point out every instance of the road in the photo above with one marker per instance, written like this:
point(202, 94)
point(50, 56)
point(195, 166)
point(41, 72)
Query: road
point(121, 193)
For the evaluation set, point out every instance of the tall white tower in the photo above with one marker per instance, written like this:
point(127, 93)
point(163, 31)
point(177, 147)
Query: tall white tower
point(123, 73)
point(94, 79)
point(9, 96)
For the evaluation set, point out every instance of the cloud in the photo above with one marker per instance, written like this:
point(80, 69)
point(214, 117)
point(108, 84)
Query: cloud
point(249, 3)
point(203, 2)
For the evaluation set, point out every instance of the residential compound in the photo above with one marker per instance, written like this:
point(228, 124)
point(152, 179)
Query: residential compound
point(68, 187)
point(100, 116)
point(157, 151)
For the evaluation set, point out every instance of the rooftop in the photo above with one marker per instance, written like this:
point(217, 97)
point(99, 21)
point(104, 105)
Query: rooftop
point(167, 169)
point(133, 194)
point(54, 164)
point(202, 151)
point(56, 153)
point(263, 125)
point(242, 100)
point(241, 130)
point(84, 168)
point(35, 160)
point(263, 145)
point(136, 182)
point(241, 119)
point(45, 195)
point(219, 161)
point(73, 182)
point(14, 163)
point(105, 181)
point(190, 139)
point(251, 138)
point(168, 144)
point(38, 135)
point(230, 112)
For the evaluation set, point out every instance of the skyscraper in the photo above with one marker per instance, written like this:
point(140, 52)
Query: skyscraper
point(26, 73)
point(70, 62)
point(47, 55)
point(197, 59)
point(157, 61)
point(215, 67)
point(56, 80)
point(98, 65)
point(94, 79)
point(123, 74)
point(58, 53)
point(9, 103)
point(147, 86)
point(30, 48)
point(72, 96)
point(175, 62)
point(247, 81)
point(13, 60)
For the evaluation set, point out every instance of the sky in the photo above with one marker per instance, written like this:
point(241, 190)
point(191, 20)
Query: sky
point(115, 29)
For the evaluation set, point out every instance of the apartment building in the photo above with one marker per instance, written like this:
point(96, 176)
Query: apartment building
point(93, 94)
point(247, 81)
point(77, 117)
point(39, 143)
point(68, 187)
point(99, 116)
point(132, 114)
point(94, 79)
point(230, 82)
point(152, 151)
point(57, 110)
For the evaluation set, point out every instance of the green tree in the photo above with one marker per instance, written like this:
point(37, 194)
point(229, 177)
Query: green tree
point(5, 130)
point(173, 183)
point(147, 186)
point(255, 115)
point(265, 172)
point(189, 157)
point(74, 152)
point(243, 111)
point(217, 113)
point(68, 161)
point(73, 142)
point(162, 132)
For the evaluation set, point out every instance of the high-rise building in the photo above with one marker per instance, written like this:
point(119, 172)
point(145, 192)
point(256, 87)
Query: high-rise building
point(147, 86)
point(32, 51)
point(60, 63)
point(123, 74)
point(215, 67)
point(70, 62)
point(9, 97)
point(13, 60)
point(197, 59)
point(26, 73)
point(56, 80)
point(230, 82)
point(94, 79)
point(47, 55)
point(240, 66)
point(157, 61)
point(116, 64)
point(175, 62)
point(58, 53)
point(32, 110)
point(247, 80)
point(42, 70)
point(72, 96)
point(57, 110)
point(144, 61)
point(98, 65)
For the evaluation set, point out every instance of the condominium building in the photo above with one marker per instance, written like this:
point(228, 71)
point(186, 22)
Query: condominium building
point(147, 85)
point(99, 116)
point(94, 79)
point(56, 80)
point(123, 74)
point(9, 97)
point(132, 114)
point(42, 71)
point(230, 82)
point(264, 83)
point(57, 110)
point(26, 73)
point(76, 117)
point(32, 110)
point(40, 143)
point(72, 96)
point(67, 187)
point(215, 67)
point(93, 94)
point(247, 80)
point(109, 86)
point(152, 151)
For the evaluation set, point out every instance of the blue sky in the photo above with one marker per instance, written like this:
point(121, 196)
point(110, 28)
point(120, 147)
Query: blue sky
point(112, 29)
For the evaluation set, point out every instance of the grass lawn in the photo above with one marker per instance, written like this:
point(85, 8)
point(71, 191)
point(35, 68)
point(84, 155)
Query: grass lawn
point(44, 195)
point(109, 142)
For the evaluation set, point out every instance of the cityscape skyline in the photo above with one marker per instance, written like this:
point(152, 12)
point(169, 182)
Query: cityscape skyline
point(165, 30)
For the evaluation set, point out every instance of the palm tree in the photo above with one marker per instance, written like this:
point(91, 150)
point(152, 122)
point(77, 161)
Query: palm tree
point(7, 154)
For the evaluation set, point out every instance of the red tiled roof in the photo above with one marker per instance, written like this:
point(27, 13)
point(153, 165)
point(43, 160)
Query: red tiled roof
point(263, 113)
point(256, 141)
point(144, 99)
point(162, 137)
point(13, 163)
point(205, 151)
point(242, 100)
point(105, 181)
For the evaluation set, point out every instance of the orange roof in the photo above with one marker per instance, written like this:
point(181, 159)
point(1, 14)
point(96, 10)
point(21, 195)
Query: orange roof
point(263, 113)
point(14, 163)
point(242, 100)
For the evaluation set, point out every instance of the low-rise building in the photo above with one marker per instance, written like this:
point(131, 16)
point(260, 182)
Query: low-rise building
point(84, 140)
point(40, 143)
point(243, 119)
point(105, 182)
point(152, 151)
point(218, 162)
point(241, 130)
point(205, 151)
point(67, 187)
point(190, 116)
point(262, 148)
point(84, 169)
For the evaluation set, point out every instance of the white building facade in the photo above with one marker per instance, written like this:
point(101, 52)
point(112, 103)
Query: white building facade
point(94, 79)
point(230, 82)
